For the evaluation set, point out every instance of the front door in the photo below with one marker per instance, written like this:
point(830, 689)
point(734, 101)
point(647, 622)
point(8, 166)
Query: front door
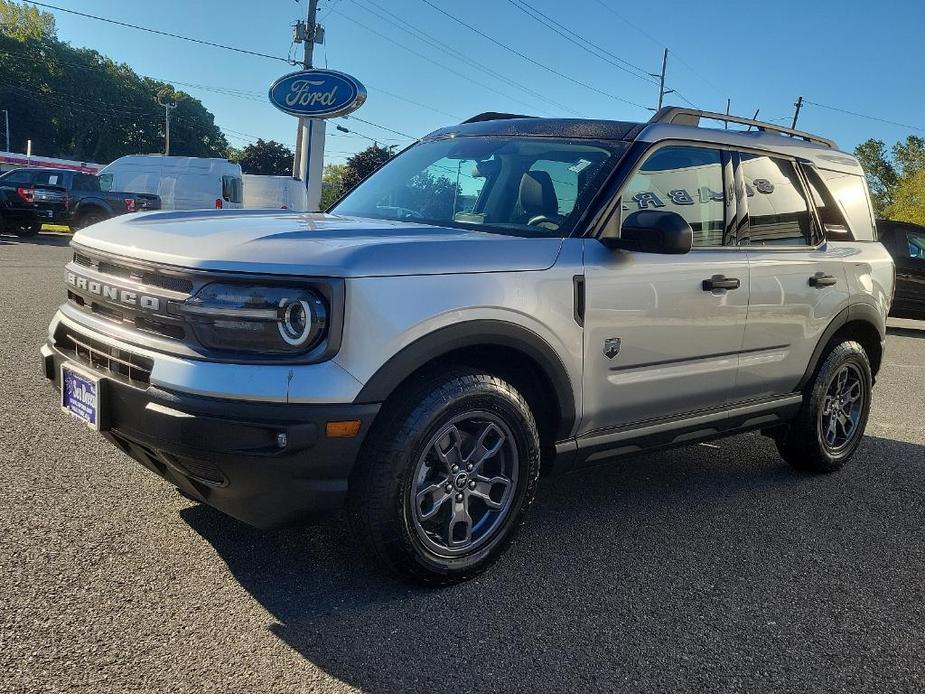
point(659, 342)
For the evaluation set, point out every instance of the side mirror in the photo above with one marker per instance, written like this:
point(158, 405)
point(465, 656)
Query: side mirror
point(653, 231)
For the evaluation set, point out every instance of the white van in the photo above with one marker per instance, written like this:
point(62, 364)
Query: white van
point(184, 183)
point(274, 192)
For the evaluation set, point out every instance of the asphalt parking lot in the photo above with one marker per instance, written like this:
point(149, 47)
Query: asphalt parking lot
point(707, 568)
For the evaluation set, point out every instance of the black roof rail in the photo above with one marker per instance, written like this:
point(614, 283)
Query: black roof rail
point(678, 115)
point(493, 115)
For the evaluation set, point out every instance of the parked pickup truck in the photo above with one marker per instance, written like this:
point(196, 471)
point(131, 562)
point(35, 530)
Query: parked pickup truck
point(84, 201)
point(25, 207)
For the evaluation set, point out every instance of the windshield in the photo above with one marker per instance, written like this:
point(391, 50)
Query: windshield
point(524, 186)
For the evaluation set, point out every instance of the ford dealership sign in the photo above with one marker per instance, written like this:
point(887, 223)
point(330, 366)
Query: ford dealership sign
point(317, 94)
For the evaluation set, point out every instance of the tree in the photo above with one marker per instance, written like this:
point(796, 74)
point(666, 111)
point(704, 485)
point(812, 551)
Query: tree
point(26, 23)
point(79, 104)
point(880, 172)
point(267, 158)
point(909, 199)
point(332, 184)
point(361, 164)
point(894, 179)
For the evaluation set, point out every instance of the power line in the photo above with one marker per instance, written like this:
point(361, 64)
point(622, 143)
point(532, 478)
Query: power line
point(162, 33)
point(531, 60)
point(429, 60)
point(580, 41)
point(381, 127)
point(659, 43)
point(443, 47)
point(863, 115)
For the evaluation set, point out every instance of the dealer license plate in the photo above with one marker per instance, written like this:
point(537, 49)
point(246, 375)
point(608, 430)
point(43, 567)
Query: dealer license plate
point(80, 395)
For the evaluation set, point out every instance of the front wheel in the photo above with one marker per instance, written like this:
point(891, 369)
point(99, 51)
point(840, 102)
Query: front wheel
point(446, 476)
point(832, 419)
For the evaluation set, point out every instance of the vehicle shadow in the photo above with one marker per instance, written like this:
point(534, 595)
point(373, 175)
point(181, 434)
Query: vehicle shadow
point(685, 570)
point(40, 239)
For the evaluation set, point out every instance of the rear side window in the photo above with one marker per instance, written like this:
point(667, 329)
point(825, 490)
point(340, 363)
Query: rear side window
point(232, 189)
point(86, 183)
point(851, 193)
point(686, 180)
point(778, 211)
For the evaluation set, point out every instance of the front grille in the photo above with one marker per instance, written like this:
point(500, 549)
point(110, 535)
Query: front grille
point(100, 356)
point(148, 278)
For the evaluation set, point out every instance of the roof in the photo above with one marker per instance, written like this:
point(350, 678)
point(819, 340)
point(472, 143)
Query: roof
point(542, 127)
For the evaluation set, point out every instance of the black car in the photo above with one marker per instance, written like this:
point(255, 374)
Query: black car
point(25, 206)
point(85, 202)
point(906, 243)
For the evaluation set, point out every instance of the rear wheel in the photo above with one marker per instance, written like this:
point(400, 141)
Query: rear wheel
point(832, 419)
point(29, 230)
point(446, 476)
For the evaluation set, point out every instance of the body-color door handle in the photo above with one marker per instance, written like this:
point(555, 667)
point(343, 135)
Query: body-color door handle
point(820, 280)
point(720, 282)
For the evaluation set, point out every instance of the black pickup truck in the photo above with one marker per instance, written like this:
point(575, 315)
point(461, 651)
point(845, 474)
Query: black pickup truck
point(59, 196)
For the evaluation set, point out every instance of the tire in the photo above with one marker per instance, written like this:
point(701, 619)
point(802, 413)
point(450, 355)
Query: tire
point(90, 217)
point(409, 507)
point(29, 231)
point(830, 424)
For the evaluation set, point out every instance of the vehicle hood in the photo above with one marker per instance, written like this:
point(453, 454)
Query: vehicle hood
point(279, 242)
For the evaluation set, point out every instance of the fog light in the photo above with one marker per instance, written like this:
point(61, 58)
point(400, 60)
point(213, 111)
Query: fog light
point(345, 429)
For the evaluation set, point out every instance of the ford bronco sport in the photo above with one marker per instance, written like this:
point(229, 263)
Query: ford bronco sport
point(506, 293)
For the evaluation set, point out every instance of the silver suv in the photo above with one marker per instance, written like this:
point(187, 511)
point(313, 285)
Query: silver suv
point(507, 295)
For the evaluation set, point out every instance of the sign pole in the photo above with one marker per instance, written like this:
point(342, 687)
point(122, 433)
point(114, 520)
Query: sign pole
point(310, 136)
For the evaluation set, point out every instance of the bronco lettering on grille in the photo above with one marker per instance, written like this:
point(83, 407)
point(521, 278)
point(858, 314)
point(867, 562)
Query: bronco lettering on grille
point(114, 294)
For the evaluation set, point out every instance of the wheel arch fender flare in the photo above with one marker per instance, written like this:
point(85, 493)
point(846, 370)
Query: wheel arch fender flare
point(472, 334)
point(855, 313)
point(92, 205)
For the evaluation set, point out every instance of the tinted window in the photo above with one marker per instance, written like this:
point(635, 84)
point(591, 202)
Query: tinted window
point(86, 183)
point(851, 193)
point(48, 178)
point(17, 177)
point(915, 241)
point(827, 209)
point(686, 180)
point(232, 189)
point(777, 209)
point(519, 185)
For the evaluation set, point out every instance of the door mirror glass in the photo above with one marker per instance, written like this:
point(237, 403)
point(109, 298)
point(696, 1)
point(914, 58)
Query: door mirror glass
point(653, 231)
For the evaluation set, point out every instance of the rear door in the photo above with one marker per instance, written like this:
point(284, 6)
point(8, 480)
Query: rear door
point(798, 279)
point(658, 342)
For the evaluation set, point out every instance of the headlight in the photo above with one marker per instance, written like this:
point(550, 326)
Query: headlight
point(259, 319)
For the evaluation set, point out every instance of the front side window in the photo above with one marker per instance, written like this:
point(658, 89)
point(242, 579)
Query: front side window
point(916, 244)
point(686, 180)
point(778, 212)
point(526, 186)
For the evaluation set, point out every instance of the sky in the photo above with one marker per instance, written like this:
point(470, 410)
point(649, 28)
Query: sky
point(423, 70)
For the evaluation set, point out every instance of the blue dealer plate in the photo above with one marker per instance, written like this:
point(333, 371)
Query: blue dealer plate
point(80, 395)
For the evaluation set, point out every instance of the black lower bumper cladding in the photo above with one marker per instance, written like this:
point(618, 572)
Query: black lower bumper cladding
point(267, 464)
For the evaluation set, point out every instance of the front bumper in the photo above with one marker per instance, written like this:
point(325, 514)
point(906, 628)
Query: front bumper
point(227, 453)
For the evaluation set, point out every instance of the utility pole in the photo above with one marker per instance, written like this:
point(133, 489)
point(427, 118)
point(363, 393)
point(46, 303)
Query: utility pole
point(168, 107)
point(308, 159)
point(796, 114)
point(661, 80)
point(6, 118)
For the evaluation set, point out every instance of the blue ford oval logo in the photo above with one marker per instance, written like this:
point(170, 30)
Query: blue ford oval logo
point(317, 93)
